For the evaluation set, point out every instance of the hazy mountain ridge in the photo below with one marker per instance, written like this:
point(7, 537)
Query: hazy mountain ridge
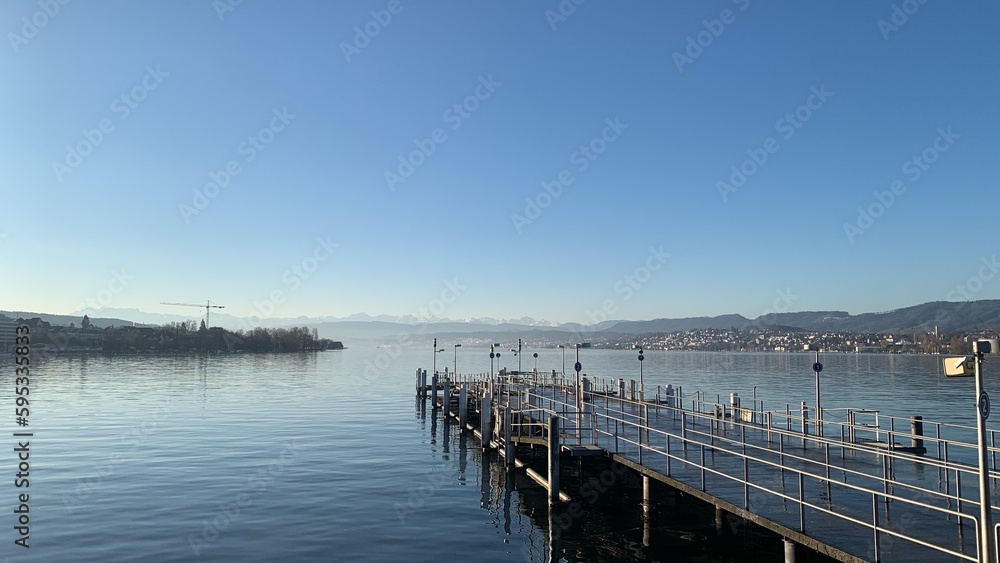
point(947, 316)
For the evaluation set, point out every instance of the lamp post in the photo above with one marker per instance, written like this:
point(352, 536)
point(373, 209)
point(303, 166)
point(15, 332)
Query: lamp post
point(434, 361)
point(641, 358)
point(579, 394)
point(818, 367)
point(457, 346)
point(982, 413)
point(492, 355)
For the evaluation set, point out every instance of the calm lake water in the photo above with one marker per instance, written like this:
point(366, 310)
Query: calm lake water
point(326, 457)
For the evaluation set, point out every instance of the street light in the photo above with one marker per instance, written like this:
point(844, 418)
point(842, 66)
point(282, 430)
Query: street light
point(457, 346)
point(641, 388)
point(434, 361)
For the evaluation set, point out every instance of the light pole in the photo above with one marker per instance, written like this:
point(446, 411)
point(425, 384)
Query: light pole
point(641, 358)
point(434, 361)
point(579, 394)
point(818, 367)
point(492, 355)
point(457, 346)
point(983, 402)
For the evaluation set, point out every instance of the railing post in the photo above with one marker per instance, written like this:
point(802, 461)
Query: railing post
point(805, 423)
point(553, 459)
point(802, 507)
point(878, 550)
point(702, 467)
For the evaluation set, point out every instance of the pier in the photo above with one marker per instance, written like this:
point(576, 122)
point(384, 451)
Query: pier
point(852, 484)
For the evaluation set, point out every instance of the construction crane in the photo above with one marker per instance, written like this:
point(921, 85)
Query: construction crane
point(208, 305)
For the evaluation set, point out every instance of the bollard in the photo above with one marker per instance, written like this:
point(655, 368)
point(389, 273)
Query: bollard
point(463, 406)
point(553, 459)
point(917, 429)
point(485, 412)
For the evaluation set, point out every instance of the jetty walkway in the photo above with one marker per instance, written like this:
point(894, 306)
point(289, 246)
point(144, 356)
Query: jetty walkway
point(853, 484)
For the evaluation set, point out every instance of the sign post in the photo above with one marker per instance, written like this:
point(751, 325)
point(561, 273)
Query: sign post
point(982, 413)
point(818, 367)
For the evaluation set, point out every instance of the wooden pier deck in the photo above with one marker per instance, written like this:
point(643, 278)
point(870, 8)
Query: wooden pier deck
point(862, 491)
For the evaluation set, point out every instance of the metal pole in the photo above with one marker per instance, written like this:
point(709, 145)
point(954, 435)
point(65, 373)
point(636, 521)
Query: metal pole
point(985, 512)
point(553, 459)
point(819, 409)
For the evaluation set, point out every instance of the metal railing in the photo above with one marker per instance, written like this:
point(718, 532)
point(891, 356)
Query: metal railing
point(780, 444)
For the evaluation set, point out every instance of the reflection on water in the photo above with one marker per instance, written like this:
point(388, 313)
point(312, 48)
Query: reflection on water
point(135, 454)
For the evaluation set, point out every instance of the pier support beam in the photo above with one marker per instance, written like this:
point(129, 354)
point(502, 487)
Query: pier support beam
point(554, 459)
point(434, 390)
point(719, 520)
point(485, 419)
point(463, 407)
point(791, 551)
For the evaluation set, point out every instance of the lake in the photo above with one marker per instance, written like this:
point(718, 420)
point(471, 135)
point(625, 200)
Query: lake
point(326, 456)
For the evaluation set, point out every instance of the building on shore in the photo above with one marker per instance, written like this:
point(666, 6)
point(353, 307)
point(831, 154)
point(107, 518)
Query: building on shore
point(7, 334)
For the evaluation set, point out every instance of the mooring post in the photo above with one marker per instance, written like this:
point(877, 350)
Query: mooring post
point(463, 406)
point(486, 425)
point(621, 392)
point(553, 459)
point(423, 384)
point(418, 382)
point(446, 396)
point(917, 430)
point(434, 390)
point(719, 520)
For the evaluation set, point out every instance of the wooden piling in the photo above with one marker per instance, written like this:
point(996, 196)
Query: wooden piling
point(553, 459)
point(434, 390)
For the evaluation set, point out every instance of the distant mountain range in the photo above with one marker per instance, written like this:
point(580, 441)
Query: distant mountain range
point(947, 316)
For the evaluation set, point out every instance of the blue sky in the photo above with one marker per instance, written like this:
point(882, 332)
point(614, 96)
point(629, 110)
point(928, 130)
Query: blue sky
point(313, 116)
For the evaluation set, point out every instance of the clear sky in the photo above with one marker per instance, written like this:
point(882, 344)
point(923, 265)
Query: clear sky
point(120, 120)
